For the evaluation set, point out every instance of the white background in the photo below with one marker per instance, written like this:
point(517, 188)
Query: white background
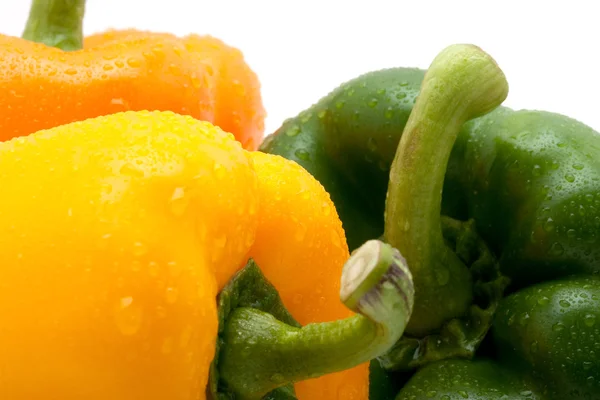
point(303, 49)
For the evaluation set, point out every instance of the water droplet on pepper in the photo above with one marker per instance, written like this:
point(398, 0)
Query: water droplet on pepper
point(139, 249)
point(178, 202)
point(293, 131)
point(134, 62)
point(589, 320)
point(171, 295)
point(558, 327)
point(302, 154)
point(128, 316)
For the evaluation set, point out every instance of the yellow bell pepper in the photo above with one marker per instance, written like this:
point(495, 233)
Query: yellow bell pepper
point(116, 235)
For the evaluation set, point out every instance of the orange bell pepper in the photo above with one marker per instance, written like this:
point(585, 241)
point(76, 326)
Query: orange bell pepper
point(117, 233)
point(43, 85)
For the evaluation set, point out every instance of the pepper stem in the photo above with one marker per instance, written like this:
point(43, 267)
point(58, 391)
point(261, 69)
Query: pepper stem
point(56, 23)
point(260, 353)
point(462, 83)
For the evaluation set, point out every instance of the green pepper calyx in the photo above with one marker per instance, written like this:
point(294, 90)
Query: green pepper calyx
point(261, 351)
point(458, 337)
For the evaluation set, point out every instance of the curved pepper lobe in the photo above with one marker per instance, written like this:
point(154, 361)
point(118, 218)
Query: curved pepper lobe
point(551, 332)
point(464, 379)
point(532, 182)
point(115, 234)
point(127, 70)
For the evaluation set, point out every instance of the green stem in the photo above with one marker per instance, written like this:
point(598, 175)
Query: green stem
point(56, 23)
point(260, 353)
point(462, 83)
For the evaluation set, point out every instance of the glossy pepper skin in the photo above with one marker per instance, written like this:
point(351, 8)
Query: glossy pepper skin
point(122, 229)
point(113, 252)
point(464, 379)
point(528, 180)
point(42, 86)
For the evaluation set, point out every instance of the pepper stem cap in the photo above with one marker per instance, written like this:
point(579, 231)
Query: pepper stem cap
point(56, 23)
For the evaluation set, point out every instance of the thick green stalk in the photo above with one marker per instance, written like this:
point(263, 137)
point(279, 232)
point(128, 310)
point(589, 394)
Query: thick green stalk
point(462, 83)
point(260, 353)
point(56, 23)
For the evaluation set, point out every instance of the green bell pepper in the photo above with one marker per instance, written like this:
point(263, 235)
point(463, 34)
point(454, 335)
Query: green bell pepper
point(496, 211)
